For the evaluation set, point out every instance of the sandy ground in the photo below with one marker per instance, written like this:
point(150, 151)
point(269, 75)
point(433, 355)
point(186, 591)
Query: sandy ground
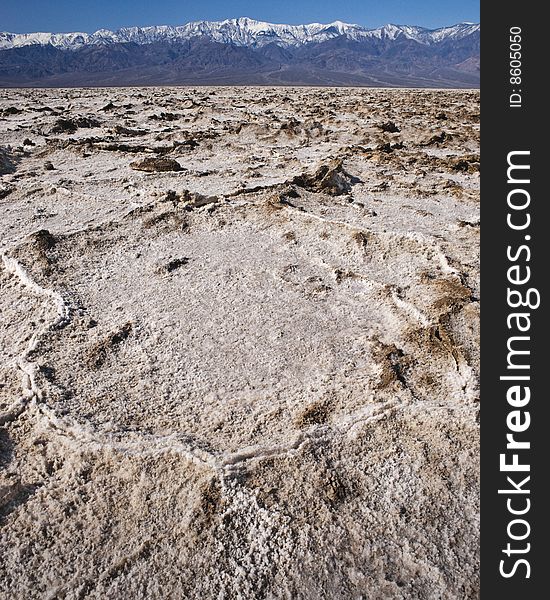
point(239, 343)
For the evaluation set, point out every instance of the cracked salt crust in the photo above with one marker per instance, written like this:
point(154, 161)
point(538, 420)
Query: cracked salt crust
point(270, 395)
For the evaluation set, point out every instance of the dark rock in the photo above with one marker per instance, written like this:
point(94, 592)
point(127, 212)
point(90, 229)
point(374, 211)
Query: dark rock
point(71, 125)
point(87, 122)
point(43, 239)
point(175, 263)
point(64, 126)
point(385, 148)
point(121, 130)
point(389, 127)
point(466, 164)
point(439, 138)
point(165, 116)
point(6, 190)
point(154, 164)
point(6, 162)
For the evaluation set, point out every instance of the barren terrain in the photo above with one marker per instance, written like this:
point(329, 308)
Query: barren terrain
point(239, 343)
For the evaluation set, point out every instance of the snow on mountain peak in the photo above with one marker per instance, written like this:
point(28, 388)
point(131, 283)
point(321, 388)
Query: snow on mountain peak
point(242, 31)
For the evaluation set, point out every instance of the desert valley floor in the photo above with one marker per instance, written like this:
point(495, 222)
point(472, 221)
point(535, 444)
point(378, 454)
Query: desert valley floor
point(239, 343)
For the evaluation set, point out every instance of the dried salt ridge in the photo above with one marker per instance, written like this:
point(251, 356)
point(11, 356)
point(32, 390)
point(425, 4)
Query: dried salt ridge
point(255, 376)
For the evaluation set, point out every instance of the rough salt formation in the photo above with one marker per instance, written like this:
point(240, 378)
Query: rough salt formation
point(239, 344)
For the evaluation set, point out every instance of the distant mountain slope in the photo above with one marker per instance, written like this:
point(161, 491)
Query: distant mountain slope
point(244, 51)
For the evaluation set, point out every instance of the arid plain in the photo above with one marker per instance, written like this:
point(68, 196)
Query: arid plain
point(239, 343)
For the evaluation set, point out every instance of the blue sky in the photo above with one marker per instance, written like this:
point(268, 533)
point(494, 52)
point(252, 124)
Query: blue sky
point(90, 15)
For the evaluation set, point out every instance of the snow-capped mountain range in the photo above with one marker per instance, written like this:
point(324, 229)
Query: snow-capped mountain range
point(245, 52)
point(239, 32)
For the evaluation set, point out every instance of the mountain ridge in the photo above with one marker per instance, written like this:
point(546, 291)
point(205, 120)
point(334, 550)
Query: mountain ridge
point(246, 52)
point(242, 31)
